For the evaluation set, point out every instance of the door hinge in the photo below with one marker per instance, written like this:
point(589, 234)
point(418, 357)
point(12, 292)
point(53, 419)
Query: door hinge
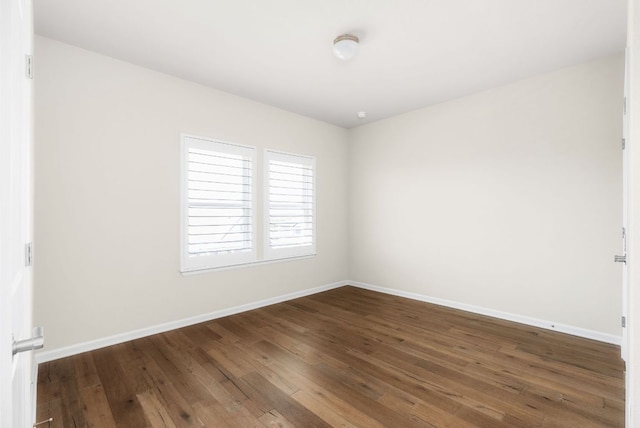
point(624, 322)
point(28, 254)
point(624, 144)
point(29, 66)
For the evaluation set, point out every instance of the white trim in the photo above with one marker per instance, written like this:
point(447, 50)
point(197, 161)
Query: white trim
point(45, 356)
point(67, 351)
point(256, 263)
point(535, 322)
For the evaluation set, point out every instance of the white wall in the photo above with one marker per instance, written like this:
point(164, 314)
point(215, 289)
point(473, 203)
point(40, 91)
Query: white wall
point(508, 200)
point(107, 196)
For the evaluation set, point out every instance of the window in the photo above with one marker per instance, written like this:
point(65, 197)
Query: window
point(218, 204)
point(289, 205)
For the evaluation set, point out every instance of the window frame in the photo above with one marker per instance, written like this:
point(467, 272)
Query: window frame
point(269, 252)
point(233, 258)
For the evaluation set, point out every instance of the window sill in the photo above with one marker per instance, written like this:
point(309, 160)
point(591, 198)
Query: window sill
point(197, 271)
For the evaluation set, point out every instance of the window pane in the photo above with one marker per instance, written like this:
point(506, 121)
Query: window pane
point(218, 203)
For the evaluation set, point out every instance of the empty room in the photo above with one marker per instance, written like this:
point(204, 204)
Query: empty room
point(357, 213)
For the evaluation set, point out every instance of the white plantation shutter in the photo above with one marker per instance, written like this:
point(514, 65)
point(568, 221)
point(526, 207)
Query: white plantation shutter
point(218, 204)
point(290, 222)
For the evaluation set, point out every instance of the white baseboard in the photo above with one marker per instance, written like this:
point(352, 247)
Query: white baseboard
point(54, 354)
point(549, 325)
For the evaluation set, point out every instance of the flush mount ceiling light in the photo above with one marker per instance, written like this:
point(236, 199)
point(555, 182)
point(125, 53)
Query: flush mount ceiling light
point(345, 46)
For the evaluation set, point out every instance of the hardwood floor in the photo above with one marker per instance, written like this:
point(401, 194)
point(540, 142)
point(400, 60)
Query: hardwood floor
point(346, 357)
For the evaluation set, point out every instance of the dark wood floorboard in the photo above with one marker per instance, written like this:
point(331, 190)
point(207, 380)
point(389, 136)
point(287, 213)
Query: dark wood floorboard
point(346, 357)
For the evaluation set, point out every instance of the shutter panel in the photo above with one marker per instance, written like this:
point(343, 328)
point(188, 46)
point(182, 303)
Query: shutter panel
point(219, 204)
point(290, 205)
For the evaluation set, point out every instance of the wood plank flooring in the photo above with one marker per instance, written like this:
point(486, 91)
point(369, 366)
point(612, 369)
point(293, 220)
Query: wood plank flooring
point(343, 358)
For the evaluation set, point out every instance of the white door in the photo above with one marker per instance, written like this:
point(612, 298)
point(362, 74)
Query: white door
point(16, 390)
point(624, 348)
